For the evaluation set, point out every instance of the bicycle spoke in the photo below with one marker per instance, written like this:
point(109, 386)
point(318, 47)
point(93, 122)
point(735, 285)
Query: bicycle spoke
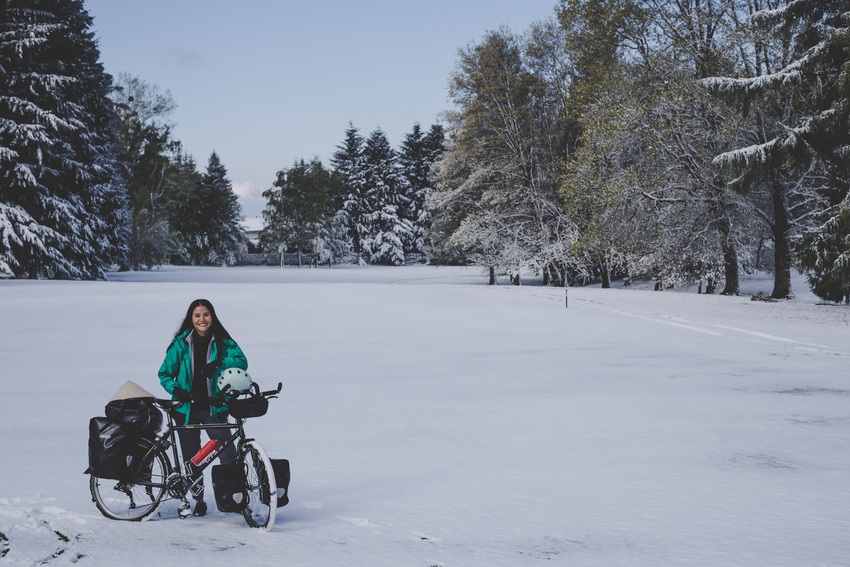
point(138, 497)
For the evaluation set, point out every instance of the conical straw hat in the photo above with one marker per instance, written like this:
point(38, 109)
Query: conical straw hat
point(131, 390)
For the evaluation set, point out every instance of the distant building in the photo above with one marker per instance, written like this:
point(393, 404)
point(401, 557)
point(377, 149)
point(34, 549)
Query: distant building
point(251, 227)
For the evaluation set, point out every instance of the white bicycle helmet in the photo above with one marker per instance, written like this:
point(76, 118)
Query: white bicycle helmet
point(234, 381)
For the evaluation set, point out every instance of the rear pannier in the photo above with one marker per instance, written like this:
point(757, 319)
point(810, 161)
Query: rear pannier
point(136, 412)
point(114, 448)
point(117, 440)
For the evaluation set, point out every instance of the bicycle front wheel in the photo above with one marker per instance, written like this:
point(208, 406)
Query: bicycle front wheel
point(139, 496)
point(262, 490)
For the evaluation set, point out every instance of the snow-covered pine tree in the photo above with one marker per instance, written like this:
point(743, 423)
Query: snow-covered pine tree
point(347, 163)
point(62, 206)
point(825, 255)
point(386, 228)
point(207, 217)
point(225, 213)
point(419, 152)
point(435, 143)
point(795, 84)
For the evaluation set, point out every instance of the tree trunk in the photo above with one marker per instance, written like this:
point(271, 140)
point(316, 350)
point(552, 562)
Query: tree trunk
point(730, 267)
point(782, 248)
point(730, 260)
point(606, 276)
point(554, 276)
point(492, 275)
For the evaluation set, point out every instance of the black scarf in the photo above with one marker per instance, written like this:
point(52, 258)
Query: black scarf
point(200, 389)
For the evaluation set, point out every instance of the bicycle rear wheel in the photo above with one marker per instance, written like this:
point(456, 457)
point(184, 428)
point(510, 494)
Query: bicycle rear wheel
point(262, 490)
point(138, 497)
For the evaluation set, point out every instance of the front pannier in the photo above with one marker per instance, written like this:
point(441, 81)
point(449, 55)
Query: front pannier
point(281, 478)
point(230, 487)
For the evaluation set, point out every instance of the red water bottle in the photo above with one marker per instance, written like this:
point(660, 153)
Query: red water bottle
point(204, 452)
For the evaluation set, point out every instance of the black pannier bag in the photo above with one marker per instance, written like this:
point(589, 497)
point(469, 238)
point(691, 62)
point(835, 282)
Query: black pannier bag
point(138, 412)
point(113, 448)
point(281, 478)
point(229, 485)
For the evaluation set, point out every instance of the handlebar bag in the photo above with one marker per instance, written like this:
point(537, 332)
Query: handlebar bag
point(251, 406)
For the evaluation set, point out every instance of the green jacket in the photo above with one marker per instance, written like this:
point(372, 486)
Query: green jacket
point(176, 369)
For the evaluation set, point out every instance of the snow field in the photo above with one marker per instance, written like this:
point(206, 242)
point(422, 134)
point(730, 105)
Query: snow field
point(434, 420)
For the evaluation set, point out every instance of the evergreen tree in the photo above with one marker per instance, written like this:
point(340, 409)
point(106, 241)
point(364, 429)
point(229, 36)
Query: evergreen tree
point(385, 227)
point(224, 230)
point(347, 163)
point(798, 84)
point(176, 211)
point(62, 204)
point(825, 255)
point(419, 152)
point(207, 218)
point(300, 212)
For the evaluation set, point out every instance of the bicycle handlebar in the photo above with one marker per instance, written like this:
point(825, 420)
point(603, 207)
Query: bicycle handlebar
point(219, 399)
point(272, 393)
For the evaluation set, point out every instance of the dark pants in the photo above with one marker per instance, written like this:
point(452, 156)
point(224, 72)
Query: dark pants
point(190, 441)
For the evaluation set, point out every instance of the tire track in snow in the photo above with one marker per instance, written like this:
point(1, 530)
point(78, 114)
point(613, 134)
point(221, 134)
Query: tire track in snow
point(714, 329)
point(736, 333)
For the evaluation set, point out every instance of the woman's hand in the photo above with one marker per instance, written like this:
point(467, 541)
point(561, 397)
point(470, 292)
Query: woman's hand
point(182, 395)
point(210, 368)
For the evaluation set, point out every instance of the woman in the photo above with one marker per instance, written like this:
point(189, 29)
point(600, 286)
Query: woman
point(200, 349)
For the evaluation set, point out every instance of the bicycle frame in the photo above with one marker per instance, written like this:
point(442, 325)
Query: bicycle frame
point(168, 438)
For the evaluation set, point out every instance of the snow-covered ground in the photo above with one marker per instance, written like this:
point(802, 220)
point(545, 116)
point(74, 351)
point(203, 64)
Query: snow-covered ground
point(432, 420)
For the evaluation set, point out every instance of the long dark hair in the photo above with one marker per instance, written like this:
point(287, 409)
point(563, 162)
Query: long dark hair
point(218, 330)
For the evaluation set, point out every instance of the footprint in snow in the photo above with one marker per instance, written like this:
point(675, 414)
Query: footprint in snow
point(359, 522)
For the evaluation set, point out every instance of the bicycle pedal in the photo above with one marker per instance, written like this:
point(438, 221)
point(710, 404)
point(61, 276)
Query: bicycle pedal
point(184, 511)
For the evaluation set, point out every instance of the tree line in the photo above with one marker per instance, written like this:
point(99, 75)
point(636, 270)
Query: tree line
point(370, 203)
point(678, 141)
point(91, 178)
point(618, 139)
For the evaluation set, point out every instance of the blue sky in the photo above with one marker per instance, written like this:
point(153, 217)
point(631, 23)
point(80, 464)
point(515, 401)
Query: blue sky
point(266, 82)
